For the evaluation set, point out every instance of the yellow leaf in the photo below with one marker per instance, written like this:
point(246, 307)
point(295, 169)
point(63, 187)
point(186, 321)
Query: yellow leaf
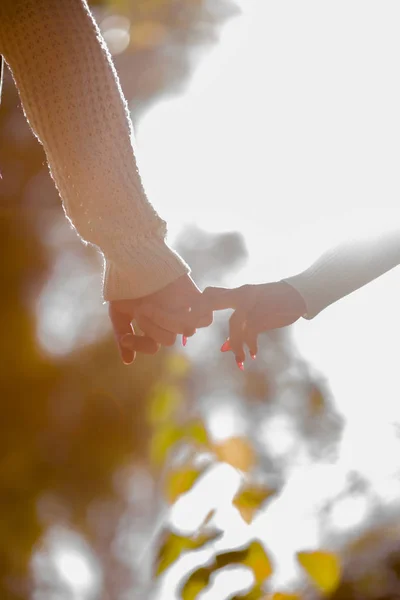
point(316, 401)
point(163, 403)
point(180, 481)
point(249, 499)
point(246, 513)
point(253, 556)
point(323, 568)
point(174, 545)
point(195, 584)
point(196, 432)
point(258, 560)
point(283, 596)
point(162, 440)
point(255, 594)
point(177, 365)
point(237, 452)
point(148, 34)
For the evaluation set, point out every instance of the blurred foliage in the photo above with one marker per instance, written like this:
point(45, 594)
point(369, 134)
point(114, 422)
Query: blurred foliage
point(91, 447)
point(69, 424)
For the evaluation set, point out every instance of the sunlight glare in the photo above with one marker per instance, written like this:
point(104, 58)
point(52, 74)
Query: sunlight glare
point(350, 512)
point(277, 434)
point(74, 569)
point(65, 560)
point(225, 420)
point(115, 30)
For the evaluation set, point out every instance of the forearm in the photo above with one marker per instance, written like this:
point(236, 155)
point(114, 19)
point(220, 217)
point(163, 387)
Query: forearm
point(72, 99)
point(346, 268)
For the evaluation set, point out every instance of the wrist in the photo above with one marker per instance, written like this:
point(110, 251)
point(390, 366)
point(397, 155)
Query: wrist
point(142, 270)
point(299, 303)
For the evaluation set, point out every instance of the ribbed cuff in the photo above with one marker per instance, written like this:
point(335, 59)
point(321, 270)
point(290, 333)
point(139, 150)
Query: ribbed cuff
point(145, 269)
point(310, 291)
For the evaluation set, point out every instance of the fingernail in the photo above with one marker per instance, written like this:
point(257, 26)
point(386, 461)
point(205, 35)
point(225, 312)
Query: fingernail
point(127, 341)
point(226, 346)
point(240, 364)
point(184, 340)
point(253, 356)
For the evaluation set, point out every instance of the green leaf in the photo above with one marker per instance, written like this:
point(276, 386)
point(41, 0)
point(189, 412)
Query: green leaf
point(174, 545)
point(254, 557)
point(163, 403)
point(258, 561)
point(323, 568)
point(255, 594)
point(195, 584)
point(179, 481)
point(177, 365)
point(161, 442)
point(284, 596)
point(196, 432)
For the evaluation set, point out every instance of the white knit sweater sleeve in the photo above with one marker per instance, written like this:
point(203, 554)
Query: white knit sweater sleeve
point(346, 268)
point(73, 101)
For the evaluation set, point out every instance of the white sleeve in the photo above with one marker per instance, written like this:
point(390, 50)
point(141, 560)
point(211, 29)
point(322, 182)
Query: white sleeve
point(346, 268)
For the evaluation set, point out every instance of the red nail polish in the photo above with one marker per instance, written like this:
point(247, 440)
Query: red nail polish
point(184, 340)
point(253, 356)
point(240, 364)
point(226, 346)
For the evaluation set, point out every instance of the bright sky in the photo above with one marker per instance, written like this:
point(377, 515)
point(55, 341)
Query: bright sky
point(290, 133)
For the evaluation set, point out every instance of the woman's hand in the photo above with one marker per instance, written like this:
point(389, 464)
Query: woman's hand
point(257, 308)
point(160, 317)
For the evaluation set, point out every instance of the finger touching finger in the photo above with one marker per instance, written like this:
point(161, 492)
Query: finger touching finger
point(174, 322)
point(150, 329)
point(213, 298)
point(217, 298)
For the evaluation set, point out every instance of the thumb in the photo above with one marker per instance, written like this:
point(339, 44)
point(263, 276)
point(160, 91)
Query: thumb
point(123, 331)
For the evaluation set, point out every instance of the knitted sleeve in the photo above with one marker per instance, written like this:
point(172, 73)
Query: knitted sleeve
point(344, 269)
point(72, 98)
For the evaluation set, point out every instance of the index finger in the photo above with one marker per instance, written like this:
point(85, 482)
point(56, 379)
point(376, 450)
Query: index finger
point(215, 298)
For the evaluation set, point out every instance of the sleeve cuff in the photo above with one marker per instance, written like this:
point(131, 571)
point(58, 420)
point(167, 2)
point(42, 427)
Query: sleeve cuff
point(303, 285)
point(142, 271)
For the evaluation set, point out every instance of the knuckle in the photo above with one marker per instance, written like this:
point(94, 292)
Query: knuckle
point(234, 319)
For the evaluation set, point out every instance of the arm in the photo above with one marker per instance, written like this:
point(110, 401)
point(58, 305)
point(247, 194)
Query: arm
point(344, 269)
point(268, 306)
point(73, 101)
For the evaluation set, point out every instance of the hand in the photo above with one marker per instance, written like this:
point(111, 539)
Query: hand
point(160, 316)
point(258, 308)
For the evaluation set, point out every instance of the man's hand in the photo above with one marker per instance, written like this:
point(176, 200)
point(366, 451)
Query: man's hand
point(160, 317)
point(257, 308)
